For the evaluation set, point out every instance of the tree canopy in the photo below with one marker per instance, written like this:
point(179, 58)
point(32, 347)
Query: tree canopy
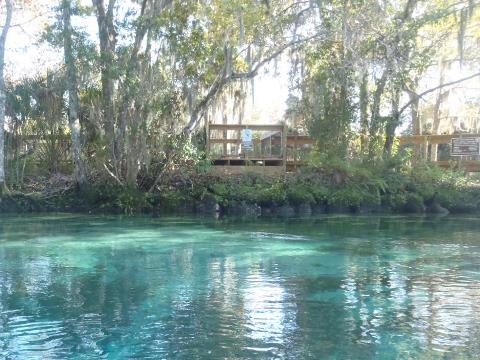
point(138, 80)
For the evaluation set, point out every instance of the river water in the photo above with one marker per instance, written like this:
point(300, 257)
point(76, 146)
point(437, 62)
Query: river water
point(335, 287)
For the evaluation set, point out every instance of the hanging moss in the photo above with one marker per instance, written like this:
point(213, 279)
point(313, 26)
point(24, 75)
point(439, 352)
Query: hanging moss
point(461, 33)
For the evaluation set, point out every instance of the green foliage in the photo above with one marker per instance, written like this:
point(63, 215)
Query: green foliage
point(298, 194)
point(114, 197)
point(176, 63)
point(353, 197)
point(203, 165)
point(271, 194)
point(328, 105)
point(167, 199)
point(339, 187)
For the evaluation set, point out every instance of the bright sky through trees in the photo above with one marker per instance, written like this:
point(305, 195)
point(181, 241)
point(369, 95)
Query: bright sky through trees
point(351, 75)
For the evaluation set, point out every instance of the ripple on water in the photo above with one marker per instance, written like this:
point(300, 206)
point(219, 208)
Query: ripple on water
point(132, 290)
point(24, 337)
point(446, 308)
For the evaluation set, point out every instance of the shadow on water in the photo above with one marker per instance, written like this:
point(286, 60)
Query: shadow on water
point(358, 287)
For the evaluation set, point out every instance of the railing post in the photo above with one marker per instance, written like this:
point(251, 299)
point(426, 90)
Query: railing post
point(284, 146)
point(207, 147)
point(426, 148)
point(225, 137)
point(294, 151)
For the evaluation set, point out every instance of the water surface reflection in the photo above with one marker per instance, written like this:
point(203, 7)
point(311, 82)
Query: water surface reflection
point(337, 287)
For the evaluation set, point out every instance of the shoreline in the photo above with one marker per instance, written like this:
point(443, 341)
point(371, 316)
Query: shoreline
point(20, 203)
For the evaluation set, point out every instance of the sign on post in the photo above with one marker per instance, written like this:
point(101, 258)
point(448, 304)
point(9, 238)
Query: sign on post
point(467, 146)
point(247, 143)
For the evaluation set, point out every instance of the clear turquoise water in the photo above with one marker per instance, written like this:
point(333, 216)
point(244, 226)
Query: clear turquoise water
point(84, 287)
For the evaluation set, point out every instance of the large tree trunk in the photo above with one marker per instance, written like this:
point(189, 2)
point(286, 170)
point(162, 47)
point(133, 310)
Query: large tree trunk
point(393, 122)
point(441, 96)
point(3, 95)
point(130, 88)
point(107, 36)
point(364, 112)
point(73, 101)
point(416, 122)
point(393, 54)
point(376, 121)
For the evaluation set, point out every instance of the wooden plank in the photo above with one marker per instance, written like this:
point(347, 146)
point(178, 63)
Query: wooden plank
point(241, 169)
point(232, 141)
point(225, 135)
point(246, 126)
point(255, 158)
point(207, 148)
point(284, 146)
point(225, 141)
point(294, 150)
point(425, 149)
point(432, 139)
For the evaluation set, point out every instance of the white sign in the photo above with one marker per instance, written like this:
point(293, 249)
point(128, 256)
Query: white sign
point(247, 136)
point(465, 146)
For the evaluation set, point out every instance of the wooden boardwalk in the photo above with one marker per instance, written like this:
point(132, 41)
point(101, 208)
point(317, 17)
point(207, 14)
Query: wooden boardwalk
point(273, 152)
point(428, 147)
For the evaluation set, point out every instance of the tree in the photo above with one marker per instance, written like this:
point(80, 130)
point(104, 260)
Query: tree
point(80, 174)
point(108, 40)
point(3, 39)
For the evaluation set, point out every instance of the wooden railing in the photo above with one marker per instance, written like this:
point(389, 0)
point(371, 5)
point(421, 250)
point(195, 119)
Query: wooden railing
point(272, 147)
point(432, 139)
point(227, 135)
point(267, 155)
point(427, 145)
point(298, 147)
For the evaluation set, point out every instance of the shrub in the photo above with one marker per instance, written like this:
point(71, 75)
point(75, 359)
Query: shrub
point(127, 200)
point(414, 203)
point(274, 194)
point(298, 194)
point(353, 197)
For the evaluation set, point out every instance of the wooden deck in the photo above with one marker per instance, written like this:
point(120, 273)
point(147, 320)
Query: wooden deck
point(426, 142)
point(230, 156)
point(273, 152)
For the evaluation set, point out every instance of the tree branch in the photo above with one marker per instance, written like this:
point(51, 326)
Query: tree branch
point(224, 79)
point(438, 87)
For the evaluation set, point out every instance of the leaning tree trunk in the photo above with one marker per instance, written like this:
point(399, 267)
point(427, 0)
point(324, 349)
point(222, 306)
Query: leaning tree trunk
point(73, 100)
point(107, 36)
point(3, 96)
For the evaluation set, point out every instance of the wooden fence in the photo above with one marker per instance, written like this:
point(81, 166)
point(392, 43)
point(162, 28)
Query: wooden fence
point(428, 147)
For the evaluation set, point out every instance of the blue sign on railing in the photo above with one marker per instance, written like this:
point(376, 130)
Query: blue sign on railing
point(247, 136)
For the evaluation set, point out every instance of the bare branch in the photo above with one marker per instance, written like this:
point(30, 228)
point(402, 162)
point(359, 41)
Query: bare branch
point(119, 182)
point(438, 87)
